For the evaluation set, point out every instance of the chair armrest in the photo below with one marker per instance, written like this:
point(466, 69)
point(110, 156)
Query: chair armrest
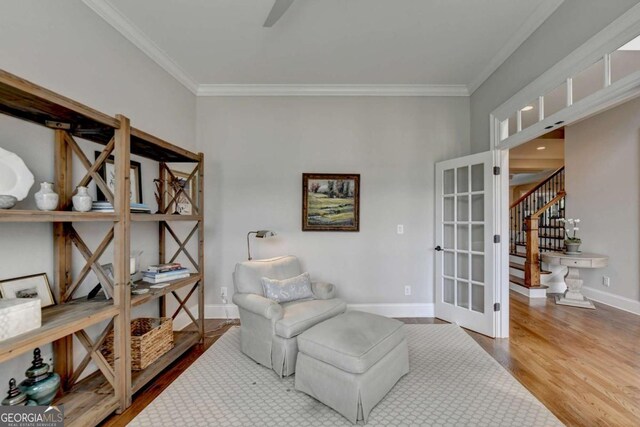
point(259, 305)
point(323, 290)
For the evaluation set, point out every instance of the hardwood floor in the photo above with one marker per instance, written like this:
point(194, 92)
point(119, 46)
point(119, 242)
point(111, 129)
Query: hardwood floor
point(584, 365)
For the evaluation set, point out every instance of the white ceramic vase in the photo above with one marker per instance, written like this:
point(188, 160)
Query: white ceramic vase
point(46, 198)
point(82, 201)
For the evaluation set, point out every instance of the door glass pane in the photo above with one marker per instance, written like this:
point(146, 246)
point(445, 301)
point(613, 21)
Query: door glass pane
point(463, 266)
point(449, 181)
point(477, 238)
point(477, 207)
point(477, 298)
point(463, 237)
point(463, 208)
point(477, 268)
point(449, 266)
point(463, 180)
point(477, 177)
point(448, 209)
point(448, 291)
point(463, 294)
point(449, 240)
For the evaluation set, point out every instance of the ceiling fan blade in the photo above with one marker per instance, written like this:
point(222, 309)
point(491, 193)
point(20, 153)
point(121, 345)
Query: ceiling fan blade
point(278, 9)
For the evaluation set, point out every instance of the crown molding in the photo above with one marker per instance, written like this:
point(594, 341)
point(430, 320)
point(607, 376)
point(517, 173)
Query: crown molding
point(330, 90)
point(532, 23)
point(131, 32)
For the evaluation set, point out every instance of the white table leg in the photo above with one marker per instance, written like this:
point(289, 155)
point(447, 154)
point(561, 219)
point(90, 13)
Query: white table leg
point(572, 295)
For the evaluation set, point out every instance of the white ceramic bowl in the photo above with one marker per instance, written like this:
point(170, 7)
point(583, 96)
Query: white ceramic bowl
point(7, 202)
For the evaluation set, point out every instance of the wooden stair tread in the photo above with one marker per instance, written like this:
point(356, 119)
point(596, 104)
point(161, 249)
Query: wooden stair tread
point(519, 281)
point(521, 267)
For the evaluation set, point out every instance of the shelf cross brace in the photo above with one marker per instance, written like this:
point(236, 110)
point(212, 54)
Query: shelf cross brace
point(93, 353)
point(92, 169)
point(183, 303)
point(88, 266)
point(95, 265)
point(182, 245)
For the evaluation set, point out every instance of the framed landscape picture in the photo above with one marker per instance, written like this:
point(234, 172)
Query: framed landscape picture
point(330, 202)
point(35, 286)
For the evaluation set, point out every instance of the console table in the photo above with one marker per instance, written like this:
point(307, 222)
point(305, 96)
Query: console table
point(574, 263)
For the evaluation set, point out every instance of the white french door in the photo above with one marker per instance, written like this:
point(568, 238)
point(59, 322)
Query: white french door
point(465, 269)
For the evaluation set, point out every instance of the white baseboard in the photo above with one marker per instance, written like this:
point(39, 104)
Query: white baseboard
point(396, 310)
point(623, 303)
point(528, 292)
point(217, 311)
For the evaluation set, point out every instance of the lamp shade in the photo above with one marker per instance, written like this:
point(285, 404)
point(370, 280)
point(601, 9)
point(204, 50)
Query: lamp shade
point(265, 233)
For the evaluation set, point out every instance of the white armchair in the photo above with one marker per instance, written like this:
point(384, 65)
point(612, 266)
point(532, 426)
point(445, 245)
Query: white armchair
point(269, 330)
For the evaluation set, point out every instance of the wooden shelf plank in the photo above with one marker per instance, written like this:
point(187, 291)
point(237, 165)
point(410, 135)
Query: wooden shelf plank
point(147, 145)
point(89, 401)
point(28, 101)
point(183, 341)
point(140, 217)
point(156, 293)
point(13, 215)
point(58, 321)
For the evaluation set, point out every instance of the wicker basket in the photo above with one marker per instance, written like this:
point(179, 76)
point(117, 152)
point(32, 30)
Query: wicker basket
point(150, 339)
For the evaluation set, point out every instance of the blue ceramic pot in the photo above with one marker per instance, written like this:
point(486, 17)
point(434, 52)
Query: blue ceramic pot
point(41, 385)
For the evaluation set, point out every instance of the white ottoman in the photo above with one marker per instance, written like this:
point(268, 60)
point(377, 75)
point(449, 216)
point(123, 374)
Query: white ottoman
point(350, 362)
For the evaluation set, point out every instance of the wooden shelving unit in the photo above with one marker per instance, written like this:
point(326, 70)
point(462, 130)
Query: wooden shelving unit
point(89, 400)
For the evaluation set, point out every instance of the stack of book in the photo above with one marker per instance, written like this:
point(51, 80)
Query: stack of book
point(108, 207)
point(164, 273)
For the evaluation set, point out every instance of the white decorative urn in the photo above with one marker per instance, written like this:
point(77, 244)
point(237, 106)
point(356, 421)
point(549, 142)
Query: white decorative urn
point(82, 201)
point(46, 198)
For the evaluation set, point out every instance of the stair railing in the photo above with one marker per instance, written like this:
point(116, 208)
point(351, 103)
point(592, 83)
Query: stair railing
point(552, 237)
point(532, 260)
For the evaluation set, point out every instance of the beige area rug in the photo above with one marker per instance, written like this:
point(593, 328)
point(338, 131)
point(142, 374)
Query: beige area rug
point(453, 382)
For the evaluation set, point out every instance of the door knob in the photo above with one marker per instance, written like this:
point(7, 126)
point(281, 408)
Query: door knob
point(438, 248)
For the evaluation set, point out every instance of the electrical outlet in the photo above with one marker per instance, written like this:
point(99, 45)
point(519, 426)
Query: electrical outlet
point(223, 292)
point(606, 281)
point(407, 290)
point(400, 229)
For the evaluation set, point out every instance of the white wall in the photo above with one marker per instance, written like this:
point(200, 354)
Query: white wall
point(602, 175)
point(572, 24)
point(66, 47)
point(256, 149)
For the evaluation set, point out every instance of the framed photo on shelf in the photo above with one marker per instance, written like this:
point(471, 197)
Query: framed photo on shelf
point(34, 286)
point(108, 173)
point(330, 202)
point(182, 205)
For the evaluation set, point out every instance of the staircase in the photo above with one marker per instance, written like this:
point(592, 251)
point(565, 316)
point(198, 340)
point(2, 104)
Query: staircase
point(534, 228)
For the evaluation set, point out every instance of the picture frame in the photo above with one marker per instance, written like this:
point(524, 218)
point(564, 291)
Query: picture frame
point(107, 171)
point(330, 202)
point(32, 286)
point(182, 205)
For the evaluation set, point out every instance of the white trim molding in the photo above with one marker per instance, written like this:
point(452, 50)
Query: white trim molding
point(330, 90)
point(131, 32)
point(623, 303)
point(537, 18)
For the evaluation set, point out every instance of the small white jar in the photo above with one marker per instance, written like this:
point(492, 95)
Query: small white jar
point(82, 201)
point(46, 198)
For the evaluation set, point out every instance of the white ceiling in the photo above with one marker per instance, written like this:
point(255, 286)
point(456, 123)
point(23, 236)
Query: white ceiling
point(328, 42)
